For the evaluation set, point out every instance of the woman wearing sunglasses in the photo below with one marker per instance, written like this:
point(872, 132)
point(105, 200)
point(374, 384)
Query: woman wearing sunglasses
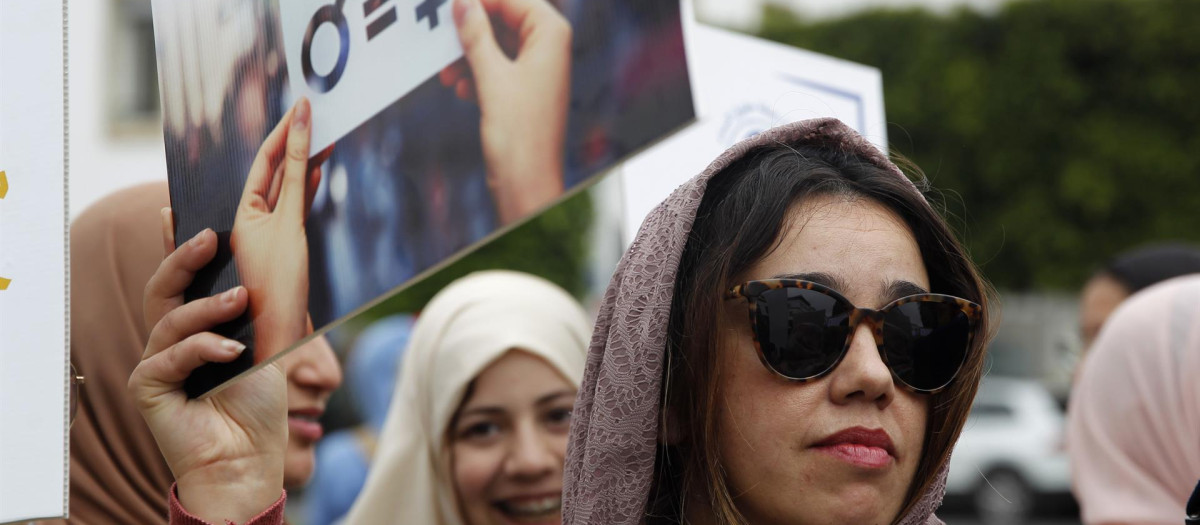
point(795, 336)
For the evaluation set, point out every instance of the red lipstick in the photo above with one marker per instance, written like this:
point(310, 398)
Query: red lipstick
point(861, 447)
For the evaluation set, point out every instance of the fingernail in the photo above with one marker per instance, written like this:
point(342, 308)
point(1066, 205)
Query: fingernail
point(302, 115)
point(231, 294)
point(232, 346)
point(198, 239)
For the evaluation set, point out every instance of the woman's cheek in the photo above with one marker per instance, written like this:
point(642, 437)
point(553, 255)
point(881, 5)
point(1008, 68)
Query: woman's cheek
point(558, 443)
point(474, 471)
point(913, 412)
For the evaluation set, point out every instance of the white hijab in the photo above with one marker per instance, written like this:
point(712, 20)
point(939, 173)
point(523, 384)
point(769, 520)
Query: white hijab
point(468, 325)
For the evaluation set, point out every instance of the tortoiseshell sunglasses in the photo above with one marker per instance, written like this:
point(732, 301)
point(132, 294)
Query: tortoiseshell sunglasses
point(803, 329)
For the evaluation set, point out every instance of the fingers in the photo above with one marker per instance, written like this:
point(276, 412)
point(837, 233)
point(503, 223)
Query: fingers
point(457, 76)
point(195, 317)
point(450, 74)
point(465, 89)
point(276, 185)
point(165, 290)
point(168, 230)
point(165, 371)
point(295, 171)
point(477, 39)
point(534, 21)
point(320, 158)
point(258, 183)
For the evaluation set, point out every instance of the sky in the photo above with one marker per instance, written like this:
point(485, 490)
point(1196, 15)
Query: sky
point(745, 14)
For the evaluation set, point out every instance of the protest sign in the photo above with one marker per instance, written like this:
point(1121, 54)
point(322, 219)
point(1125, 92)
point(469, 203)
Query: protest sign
point(34, 355)
point(744, 85)
point(427, 160)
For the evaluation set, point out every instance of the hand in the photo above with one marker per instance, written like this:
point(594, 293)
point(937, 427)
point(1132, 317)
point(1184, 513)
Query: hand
point(268, 239)
point(226, 451)
point(523, 101)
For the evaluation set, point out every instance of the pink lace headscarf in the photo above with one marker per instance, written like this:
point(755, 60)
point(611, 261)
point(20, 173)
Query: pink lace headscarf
point(614, 429)
point(1133, 427)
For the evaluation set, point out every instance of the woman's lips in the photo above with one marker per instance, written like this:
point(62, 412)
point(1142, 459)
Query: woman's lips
point(304, 425)
point(859, 455)
point(535, 509)
point(860, 447)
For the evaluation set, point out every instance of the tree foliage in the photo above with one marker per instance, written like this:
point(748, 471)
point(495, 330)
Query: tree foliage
point(1060, 132)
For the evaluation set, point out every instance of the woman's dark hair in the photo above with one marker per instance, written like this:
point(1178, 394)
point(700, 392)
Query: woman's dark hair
point(1149, 265)
point(739, 221)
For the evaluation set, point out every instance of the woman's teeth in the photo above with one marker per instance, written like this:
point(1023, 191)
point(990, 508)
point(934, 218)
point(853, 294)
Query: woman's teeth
point(537, 509)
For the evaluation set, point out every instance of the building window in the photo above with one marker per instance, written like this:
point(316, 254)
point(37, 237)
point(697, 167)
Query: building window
point(132, 85)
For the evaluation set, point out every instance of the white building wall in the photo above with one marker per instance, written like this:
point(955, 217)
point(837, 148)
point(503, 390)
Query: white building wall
point(107, 152)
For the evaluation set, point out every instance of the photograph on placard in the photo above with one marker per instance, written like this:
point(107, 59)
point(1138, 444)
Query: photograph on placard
point(427, 156)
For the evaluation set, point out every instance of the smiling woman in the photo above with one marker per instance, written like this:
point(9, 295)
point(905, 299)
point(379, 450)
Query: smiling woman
point(795, 336)
point(508, 440)
point(477, 430)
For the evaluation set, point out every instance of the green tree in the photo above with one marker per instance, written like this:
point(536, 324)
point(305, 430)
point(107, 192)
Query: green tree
point(1060, 132)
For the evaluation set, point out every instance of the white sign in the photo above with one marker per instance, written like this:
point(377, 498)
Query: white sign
point(353, 58)
point(33, 332)
point(744, 85)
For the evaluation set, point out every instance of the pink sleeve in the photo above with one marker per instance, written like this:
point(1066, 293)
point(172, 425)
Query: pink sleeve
point(273, 515)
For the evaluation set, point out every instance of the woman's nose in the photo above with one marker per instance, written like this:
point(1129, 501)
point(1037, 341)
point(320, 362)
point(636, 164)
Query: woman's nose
point(531, 455)
point(315, 366)
point(862, 374)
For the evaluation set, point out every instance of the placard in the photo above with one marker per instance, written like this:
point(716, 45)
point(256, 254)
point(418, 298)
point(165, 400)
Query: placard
point(353, 58)
point(425, 177)
point(744, 85)
point(33, 263)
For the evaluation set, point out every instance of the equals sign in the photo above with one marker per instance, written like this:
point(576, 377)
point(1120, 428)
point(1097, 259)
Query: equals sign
point(379, 24)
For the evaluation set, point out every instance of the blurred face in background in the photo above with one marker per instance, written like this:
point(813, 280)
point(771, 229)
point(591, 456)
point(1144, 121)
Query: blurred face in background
point(779, 440)
point(313, 373)
point(508, 442)
point(1101, 295)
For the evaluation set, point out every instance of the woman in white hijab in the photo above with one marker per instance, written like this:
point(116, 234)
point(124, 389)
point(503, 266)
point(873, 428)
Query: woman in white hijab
point(478, 426)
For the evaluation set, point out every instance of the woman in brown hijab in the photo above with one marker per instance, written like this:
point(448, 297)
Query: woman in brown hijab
point(118, 474)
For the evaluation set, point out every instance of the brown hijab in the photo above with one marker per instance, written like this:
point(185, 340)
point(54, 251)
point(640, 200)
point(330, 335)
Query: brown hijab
point(614, 430)
point(117, 472)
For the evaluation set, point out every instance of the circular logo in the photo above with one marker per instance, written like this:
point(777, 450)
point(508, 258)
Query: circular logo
point(327, 14)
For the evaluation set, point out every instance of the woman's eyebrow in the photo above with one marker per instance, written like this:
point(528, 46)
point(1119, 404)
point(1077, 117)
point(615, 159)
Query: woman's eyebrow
point(901, 288)
point(554, 395)
point(831, 281)
point(497, 410)
point(892, 290)
point(483, 410)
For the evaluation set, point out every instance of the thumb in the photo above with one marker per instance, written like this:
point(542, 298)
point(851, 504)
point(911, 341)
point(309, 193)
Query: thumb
point(477, 39)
